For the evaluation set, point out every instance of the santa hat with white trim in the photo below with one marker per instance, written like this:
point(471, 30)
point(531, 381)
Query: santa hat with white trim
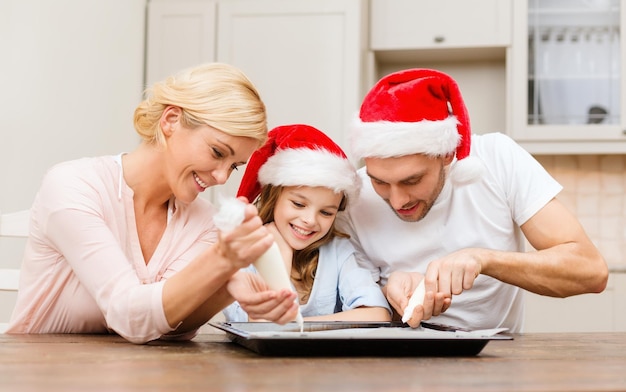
point(299, 155)
point(416, 111)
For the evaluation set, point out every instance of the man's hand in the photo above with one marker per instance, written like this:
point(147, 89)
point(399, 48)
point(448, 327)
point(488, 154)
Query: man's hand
point(445, 277)
point(401, 285)
point(454, 273)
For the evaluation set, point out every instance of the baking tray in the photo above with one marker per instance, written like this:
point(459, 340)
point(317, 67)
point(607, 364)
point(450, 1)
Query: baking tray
point(358, 339)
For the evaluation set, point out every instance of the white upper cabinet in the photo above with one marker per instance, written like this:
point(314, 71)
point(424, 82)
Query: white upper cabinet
point(421, 24)
point(469, 40)
point(568, 90)
point(180, 34)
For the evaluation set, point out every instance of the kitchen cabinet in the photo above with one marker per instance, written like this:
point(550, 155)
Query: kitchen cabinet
point(467, 40)
point(604, 312)
point(180, 34)
point(423, 24)
point(567, 81)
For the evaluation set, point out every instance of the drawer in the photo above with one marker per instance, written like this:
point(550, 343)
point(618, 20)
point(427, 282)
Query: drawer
point(411, 24)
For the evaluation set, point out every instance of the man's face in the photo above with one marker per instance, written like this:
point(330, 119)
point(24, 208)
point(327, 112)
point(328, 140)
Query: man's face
point(409, 184)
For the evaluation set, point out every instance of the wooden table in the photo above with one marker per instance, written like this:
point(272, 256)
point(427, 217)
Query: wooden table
point(530, 362)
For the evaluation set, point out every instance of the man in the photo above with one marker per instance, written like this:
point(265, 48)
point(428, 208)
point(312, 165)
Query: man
point(434, 209)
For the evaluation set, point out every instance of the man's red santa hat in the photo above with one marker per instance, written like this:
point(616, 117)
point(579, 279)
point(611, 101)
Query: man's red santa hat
point(416, 111)
point(299, 155)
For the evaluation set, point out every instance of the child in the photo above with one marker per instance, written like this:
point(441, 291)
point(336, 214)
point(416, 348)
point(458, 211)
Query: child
point(301, 180)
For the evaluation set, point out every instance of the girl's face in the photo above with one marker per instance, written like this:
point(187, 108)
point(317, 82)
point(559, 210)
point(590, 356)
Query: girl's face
point(305, 214)
point(202, 157)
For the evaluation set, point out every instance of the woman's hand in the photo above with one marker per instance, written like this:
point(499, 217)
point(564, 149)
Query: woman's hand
point(261, 303)
point(247, 242)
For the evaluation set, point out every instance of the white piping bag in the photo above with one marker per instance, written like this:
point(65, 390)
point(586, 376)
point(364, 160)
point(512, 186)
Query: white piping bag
point(270, 265)
point(416, 299)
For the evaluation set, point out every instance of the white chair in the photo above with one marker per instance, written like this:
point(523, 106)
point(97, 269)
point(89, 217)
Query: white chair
point(13, 224)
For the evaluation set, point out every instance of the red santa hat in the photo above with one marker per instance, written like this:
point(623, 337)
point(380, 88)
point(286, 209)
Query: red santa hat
point(416, 111)
point(299, 155)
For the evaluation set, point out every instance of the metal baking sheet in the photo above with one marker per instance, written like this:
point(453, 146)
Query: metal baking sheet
point(358, 339)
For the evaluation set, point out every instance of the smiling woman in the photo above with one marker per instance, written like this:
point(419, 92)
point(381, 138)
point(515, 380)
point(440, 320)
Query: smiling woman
point(122, 243)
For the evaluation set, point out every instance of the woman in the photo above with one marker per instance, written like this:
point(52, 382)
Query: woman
point(123, 243)
point(303, 180)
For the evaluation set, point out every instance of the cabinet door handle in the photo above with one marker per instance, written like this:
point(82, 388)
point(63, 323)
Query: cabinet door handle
point(439, 39)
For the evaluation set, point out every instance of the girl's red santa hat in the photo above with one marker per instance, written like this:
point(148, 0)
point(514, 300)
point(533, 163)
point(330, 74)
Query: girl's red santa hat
point(299, 155)
point(416, 111)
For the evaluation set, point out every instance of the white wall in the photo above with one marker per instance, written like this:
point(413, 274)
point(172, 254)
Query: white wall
point(71, 74)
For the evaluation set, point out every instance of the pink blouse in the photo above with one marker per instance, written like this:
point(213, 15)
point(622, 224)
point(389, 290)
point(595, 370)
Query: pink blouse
point(83, 270)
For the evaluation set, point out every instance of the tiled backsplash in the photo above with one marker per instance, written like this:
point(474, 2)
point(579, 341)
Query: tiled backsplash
point(594, 188)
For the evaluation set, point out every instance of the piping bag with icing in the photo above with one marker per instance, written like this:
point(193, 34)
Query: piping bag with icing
point(416, 299)
point(270, 265)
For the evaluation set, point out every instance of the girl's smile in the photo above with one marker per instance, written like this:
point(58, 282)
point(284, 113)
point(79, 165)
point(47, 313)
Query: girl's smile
point(305, 214)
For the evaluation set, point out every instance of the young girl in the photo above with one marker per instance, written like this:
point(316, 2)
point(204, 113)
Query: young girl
point(301, 180)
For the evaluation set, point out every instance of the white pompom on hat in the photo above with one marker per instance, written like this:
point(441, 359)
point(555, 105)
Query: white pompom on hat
point(416, 111)
point(299, 155)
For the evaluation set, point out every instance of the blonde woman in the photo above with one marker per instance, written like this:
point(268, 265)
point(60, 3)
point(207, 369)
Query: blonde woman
point(122, 244)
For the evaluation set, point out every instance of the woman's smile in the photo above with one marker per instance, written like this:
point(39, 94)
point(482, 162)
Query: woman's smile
point(201, 184)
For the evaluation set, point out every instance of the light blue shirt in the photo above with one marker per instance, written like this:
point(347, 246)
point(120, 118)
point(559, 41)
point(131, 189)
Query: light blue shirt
point(339, 285)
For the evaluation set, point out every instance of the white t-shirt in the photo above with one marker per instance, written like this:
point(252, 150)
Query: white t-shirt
point(483, 214)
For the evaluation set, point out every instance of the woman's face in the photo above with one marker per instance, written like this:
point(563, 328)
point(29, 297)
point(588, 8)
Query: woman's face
point(305, 214)
point(202, 157)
